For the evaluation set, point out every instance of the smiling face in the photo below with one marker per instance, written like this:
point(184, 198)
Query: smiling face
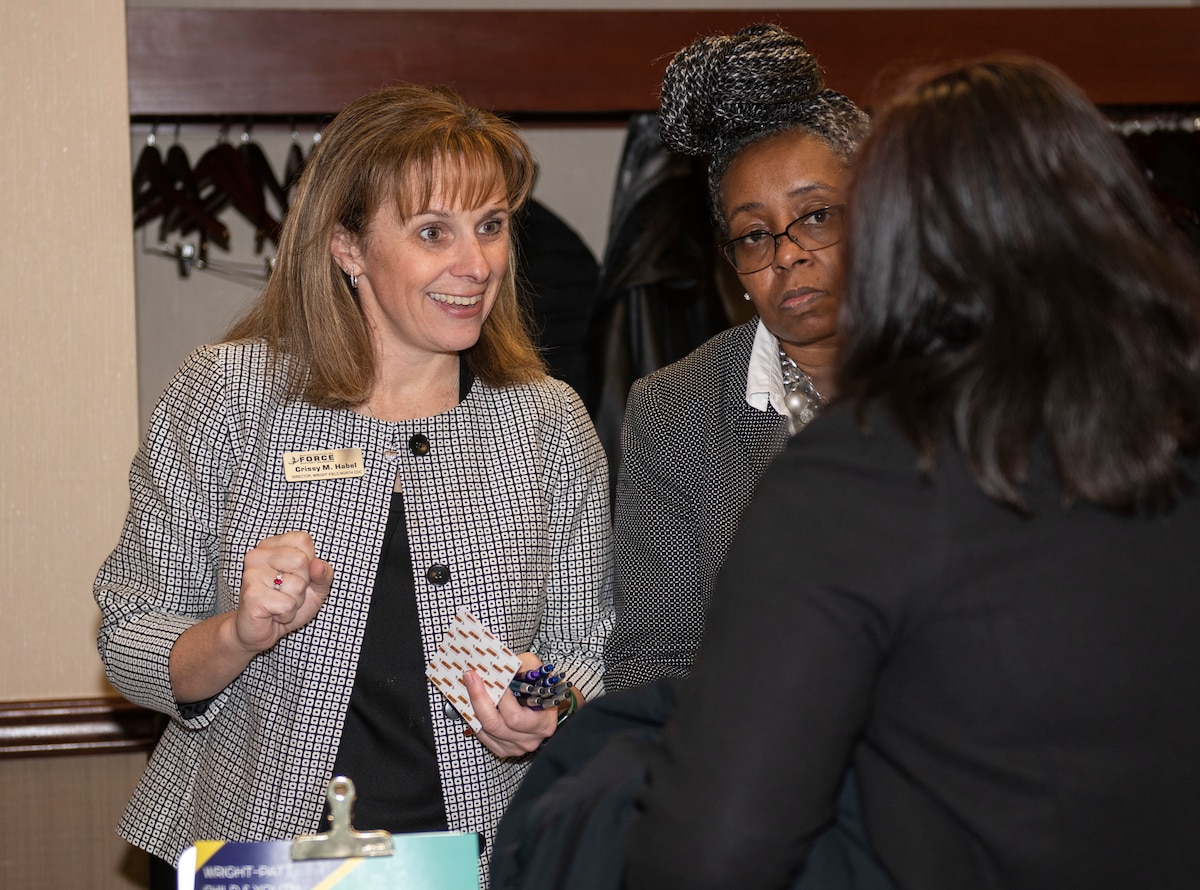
point(769, 184)
point(426, 283)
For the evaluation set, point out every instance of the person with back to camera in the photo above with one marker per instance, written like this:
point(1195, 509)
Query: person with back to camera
point(699, 433)
point(283, 622)
point(998, 612)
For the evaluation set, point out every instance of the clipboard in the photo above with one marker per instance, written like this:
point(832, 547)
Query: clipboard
point(340, 859)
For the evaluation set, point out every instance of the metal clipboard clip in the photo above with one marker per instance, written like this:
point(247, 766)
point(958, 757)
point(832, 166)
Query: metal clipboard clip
point(341, 841)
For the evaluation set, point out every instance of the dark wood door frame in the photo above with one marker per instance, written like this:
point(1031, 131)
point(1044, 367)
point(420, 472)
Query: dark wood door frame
point(598, 64)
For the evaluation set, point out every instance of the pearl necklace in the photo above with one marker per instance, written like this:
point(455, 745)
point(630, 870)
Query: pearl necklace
point(800, 396)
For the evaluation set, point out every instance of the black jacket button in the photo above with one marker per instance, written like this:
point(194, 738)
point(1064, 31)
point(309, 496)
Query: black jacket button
point(438, 574)
point(419, 445)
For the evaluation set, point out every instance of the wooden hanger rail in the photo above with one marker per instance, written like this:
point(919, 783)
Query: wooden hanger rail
point(601, 64)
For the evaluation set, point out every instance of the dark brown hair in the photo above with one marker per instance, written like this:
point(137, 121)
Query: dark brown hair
point(1010, 279)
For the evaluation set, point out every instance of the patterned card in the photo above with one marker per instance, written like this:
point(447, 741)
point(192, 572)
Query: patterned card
point(469, 646)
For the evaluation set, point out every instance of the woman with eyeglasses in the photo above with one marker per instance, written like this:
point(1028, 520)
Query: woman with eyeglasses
point(699, 433)
point(697, 436)
point(997, 621)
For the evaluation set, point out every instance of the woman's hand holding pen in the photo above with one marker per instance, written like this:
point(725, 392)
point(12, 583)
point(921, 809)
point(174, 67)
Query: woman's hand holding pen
point(509, 728)
point(284, 585)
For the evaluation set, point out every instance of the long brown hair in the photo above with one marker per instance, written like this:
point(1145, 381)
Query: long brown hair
point(391, 144)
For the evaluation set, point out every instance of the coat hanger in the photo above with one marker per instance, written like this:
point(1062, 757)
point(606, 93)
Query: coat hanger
point(156, 193)
point(265, 181)
point(294, 165)
point(179, 175)
point(149, 175)
point(1144, 144)
point(223, 179)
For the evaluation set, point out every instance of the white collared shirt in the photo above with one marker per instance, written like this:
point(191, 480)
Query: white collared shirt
point(764, 376)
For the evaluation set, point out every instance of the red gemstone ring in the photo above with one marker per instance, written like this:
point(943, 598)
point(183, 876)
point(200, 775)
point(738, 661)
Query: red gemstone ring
point(278, 582)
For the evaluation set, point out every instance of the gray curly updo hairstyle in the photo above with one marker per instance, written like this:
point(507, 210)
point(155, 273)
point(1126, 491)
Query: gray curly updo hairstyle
point(722, 93)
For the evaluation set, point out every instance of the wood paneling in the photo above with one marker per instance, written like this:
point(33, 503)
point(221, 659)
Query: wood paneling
point(76, 726)
point(187, 62)
point(58, 824)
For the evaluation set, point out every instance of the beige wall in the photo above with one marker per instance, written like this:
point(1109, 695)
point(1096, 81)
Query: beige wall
point(67, 359)
point(58, 819)
point(67, 351)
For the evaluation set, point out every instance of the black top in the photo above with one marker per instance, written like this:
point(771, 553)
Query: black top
point(387, 747)
point(1027, 690)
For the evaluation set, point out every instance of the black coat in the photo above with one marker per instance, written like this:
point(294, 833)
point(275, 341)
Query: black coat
point(566, 826)
point(658, 296)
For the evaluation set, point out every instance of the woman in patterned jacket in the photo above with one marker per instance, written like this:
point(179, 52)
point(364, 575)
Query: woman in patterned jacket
point(375, 447)
point(699, 433)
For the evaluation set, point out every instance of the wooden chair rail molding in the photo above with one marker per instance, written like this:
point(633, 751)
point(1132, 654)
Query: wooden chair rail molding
point(75, 726)
point(578, 64)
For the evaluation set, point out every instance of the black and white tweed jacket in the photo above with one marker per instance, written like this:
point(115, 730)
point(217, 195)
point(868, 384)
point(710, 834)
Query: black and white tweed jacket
point(511, 496)
point(692, 451)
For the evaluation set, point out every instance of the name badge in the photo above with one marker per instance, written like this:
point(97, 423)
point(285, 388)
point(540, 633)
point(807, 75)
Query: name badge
point(338, 463)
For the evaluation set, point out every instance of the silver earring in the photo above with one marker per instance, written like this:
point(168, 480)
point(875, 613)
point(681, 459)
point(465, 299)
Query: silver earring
point(747, 297)
point(353, 278)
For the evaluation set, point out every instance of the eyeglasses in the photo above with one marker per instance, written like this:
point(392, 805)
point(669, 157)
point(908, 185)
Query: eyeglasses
point(815, 230)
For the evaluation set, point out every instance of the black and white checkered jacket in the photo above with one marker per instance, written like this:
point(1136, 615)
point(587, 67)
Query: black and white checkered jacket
point(692, 451)
point(510, 496)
